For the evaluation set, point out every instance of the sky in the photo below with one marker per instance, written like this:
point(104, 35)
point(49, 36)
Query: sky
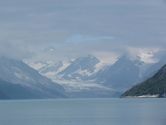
point(105, 28)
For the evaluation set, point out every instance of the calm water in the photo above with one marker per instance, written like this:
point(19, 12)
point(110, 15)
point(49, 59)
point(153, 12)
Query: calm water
point(84, 112)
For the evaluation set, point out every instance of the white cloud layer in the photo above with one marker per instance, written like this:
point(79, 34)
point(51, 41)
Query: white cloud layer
point(80, 27)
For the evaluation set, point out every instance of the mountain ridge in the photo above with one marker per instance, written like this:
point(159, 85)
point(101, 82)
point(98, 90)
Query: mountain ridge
point(156, 85)
point(89, 71)
point(19, 76)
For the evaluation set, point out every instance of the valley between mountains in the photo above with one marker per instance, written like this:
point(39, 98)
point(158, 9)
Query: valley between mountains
point(82, 77)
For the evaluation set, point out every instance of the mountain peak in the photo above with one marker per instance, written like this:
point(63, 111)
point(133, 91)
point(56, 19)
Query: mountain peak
point(161, 73)
point(81, 68)
point(125, 59)
point(17, 74)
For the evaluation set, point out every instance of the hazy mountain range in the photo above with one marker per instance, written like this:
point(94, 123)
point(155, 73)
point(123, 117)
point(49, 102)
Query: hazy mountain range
point(88, 76)
point(84, 76)
point(152, 87)
point(19, 81)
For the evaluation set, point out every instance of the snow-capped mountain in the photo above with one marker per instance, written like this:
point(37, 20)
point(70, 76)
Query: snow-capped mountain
point(123, 74)
point(17, 73)
point(81, 68)
point(88, 74)
point(76, 76)
point(50, 69)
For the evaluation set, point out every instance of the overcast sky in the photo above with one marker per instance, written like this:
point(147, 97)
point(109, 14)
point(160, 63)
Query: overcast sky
point(79, 27)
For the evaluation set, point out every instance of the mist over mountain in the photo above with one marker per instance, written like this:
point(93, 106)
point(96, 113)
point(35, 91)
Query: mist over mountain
point(88, 76)
point(122, 74)
point(155, 86)
point(84, 76)
point(28, 27)
point(55, 37)
point(18, 80)
point(154, 68)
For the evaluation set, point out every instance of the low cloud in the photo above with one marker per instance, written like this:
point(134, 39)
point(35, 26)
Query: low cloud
point(79, 27)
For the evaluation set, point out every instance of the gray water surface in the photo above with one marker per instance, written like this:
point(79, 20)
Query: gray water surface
point(84, 112)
